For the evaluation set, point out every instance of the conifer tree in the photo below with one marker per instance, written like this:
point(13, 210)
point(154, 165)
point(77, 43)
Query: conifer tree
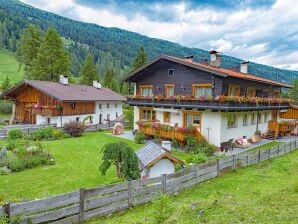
point(28, 47)
point(6, 84)
point(140, 59)
point(52, 59)
point(294, 92)
point(88, 73)
point(110, 80)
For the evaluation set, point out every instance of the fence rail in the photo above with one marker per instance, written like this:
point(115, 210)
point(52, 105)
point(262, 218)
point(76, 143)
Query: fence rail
point(85, 204)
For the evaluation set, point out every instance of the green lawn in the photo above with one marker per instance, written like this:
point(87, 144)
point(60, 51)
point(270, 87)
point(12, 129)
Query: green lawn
point(264, 193)
point(267, 145)
point(77, 162)
point(9, 67)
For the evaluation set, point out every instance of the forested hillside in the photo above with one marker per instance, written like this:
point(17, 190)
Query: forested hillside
point(111, 47)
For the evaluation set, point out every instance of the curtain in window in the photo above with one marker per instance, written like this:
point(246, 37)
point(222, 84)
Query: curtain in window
point(203, 91)
point(170, 91)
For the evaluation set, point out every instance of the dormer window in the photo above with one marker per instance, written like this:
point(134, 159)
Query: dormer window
point(170, 72)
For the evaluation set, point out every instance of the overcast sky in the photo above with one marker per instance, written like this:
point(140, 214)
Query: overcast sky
point(263, 31)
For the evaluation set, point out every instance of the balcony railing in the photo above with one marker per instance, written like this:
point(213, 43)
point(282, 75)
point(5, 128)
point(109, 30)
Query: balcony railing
point(156, 129)
point(234, 103)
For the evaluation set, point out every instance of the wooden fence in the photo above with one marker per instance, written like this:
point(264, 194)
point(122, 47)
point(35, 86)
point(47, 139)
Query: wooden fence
point(84, 204)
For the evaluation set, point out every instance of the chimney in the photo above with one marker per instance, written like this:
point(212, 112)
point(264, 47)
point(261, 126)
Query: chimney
point(244, 67)
point(64, 79)
point(96, 84)
point(214, 58)
point(167, 145)
point(189, 58)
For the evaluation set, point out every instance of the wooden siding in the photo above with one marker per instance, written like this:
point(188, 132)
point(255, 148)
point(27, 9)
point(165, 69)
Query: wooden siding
point(291, 113)
point(184, 77)
point(78, 108)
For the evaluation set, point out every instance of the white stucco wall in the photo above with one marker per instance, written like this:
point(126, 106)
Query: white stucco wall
point(136, 114)
point(212, 120)
point(241, 130)
point(164, 166)
point(112, 110)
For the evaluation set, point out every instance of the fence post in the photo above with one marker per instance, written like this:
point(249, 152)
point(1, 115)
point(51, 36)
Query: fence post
point(234, 162)
point(259, 156)
point(217, 167)
point(82, 204)
point(269, 152)
point(7, 210)
point(164, 183)
point(290, 146)
point(278, 150)
point(247, 159)
point(197, 173)
point(129, 193)
point(295, 143)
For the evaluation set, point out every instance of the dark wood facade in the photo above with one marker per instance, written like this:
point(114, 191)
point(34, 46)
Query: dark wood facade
point(184, 77)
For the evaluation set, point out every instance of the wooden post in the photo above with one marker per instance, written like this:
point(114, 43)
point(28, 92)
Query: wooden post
point(7, 210)
point(247, 160)
point(217, 167)
point(82, 204)
point(269, 151)
point(164, 183)
point(295, 144)
point(234, 162)
point(278, 150)
point(259, 156)
point(129, 189)
point(290, 145)
point(197, 173)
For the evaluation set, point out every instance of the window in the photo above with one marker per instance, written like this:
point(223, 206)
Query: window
point(147, 114)
point(169, 90)
point(77, 119)
point(232, 121)
point(192, 119)
point(99, 106)
point(251, 91)
point(146, 90)
point(48, 120)
point(260, 118)
point(116, 114)
point(170, 72)
point(244, 119)
point(202, 90)
point(253, 119)
point(234, 90)
point(73, 106)
point(108, 105)
point(266, 117)
point(116, 105)
point(167, 117)
point(108, 117)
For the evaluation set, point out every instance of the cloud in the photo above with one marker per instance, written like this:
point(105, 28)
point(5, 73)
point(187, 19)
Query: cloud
point(262, 31)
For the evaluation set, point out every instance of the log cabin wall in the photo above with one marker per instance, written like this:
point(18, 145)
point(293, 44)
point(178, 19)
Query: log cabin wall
point(78, 108)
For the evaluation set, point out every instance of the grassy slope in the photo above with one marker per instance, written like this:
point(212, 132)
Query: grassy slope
point(264, 193)
point(77, 162)
point(9, 67)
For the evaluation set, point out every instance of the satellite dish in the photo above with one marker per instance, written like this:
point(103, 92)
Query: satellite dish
point(213, 57)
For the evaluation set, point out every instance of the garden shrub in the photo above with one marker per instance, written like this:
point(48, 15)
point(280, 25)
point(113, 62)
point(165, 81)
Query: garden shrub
point(192, 145)
point(5, 107)
point(59, 134)
point(18, 143)
point(140, 138)
point(178, 167)
point(44, 133)
point(73, 128)
point(15, 163)
point(14, 133)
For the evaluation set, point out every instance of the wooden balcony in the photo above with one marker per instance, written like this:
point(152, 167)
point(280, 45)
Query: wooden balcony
point(46, 111)
point(166, 132)
point(226, 104)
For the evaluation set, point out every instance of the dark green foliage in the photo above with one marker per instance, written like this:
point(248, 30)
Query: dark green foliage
point(294, 92)
point(129, 115)
point(28, 47)
point(110, 47)
point(5, 107)
point(6, 84)
point(73, 128)
point(192, 145)
point(52, 60)
point(123, 157)
point(140, 138)
point(110, 81)
point(197, 158)
point(44, 133)
point(14, 133)
point(140, 59)
point(88, 73)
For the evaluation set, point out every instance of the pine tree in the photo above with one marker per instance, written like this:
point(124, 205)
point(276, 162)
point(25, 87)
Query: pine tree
point(28, 47)
point(140, 59)
point(294, 92)
point(88, 73)
point(52, 59)
point(6, 84)
point(108, 78)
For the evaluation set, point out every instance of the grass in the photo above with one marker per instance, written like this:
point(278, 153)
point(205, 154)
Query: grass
point(267, 145)
point(264, 193)
point(77, 162)
point(9, 67)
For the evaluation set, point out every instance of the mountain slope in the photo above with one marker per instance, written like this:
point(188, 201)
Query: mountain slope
point(111, 47)
point(9, 67)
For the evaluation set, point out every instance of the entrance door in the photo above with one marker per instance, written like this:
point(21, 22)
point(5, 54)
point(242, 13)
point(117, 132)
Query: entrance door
point(100, 119)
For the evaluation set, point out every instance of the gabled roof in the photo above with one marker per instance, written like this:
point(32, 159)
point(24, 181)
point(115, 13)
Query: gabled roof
point(68, 92)
point(208, 68)
point(152, 153)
